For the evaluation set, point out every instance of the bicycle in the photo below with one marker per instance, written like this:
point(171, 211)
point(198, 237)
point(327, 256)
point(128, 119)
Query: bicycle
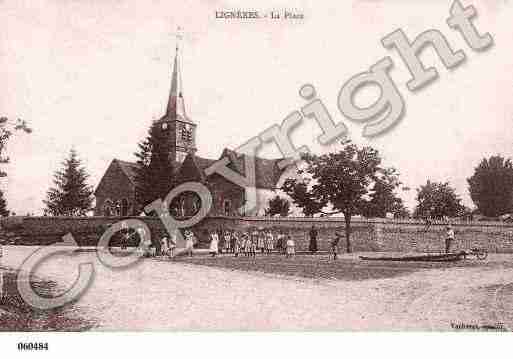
point(479, 253)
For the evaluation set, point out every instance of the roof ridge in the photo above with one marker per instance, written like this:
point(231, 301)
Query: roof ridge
point(124, 170)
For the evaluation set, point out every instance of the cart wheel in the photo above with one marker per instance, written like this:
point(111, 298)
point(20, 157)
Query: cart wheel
point(482, 254)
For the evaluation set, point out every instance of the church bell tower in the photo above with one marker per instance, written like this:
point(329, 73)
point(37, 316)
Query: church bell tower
point(175, 124)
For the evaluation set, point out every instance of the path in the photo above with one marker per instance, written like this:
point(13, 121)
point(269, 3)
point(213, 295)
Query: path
point(158, 295)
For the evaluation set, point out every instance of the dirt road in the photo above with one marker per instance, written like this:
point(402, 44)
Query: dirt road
point(161, 295)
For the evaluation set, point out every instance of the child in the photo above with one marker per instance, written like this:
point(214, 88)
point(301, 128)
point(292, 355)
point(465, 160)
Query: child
point(227, 242)
point(290, 246)
point(236, 240)
point(254, 243)
point(334, 245)
point(449, 238)
point(269, 242)
point(189, 242)
point(261, 240)
point(164, 246)
point(233, 240)
point(247, 245)
point(144, 243)
point(281, 242)
point(171, 242)
point(254, 238)
point(214, 243)
point(220, 242)
point(171, 252)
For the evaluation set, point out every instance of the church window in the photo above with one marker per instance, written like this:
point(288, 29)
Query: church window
point(124, 207)
point(195, 204)
point(107, 208)
point(117, 209)
point(187, 133)
point(182, 206)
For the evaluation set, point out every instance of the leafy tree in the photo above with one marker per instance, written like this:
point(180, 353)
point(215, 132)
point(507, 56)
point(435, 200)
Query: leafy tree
point(278, 205)
point(7, 128)
point(437, 200)
point(383, 198)
point(339, 181)
point(298, 190)
point(399, 210)
point(155, 171)
point(3, 205)
point(491, 186)
point(71, 195)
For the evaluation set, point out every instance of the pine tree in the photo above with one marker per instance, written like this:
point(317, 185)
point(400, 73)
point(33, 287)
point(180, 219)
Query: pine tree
point(71, 195)
point(155, 170)
point(3, 205)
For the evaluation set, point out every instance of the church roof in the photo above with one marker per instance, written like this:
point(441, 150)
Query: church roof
point(129, 168)
point(267, 172)
point(117, 166)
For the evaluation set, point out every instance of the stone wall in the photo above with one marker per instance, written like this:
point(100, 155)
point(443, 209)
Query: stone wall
point(366, 235)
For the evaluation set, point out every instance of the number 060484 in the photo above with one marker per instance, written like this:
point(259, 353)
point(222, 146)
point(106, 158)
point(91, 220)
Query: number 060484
point(32, 346)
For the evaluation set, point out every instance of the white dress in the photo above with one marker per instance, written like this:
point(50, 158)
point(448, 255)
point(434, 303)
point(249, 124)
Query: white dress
point(214, 243)
point(189, 241)
point(290, 247)
point(164, 247)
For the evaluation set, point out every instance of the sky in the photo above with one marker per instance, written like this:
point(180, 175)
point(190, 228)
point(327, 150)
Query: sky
point(93, 74)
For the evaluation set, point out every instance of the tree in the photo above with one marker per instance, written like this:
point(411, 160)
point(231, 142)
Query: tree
point(71, 195)
point(491, 186)
point(278, 205)
point(437, 200)
point(383, 198)
point(339, 181)
point(7, 129)
point(297, 189)
point(155, 171)
point(3, 205)
point(399, 210)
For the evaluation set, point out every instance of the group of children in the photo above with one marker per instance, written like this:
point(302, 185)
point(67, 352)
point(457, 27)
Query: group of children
point(251, 242)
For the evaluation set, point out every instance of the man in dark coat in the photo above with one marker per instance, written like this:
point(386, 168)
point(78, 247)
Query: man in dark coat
point(313, 240)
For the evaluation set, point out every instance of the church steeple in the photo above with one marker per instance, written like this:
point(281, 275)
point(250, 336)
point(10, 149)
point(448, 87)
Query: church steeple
point(176, 105)
point(177, 128)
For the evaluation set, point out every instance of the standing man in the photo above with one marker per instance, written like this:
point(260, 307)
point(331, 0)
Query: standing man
point(449, 238)
point(233, 241)
point(313, 240)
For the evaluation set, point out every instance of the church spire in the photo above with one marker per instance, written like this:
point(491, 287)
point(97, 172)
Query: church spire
point(176, 105)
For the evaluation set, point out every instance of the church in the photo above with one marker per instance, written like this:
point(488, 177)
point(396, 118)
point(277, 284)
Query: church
point(116, 192)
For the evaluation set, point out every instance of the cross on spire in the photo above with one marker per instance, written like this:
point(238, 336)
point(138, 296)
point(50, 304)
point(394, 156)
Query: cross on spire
point(179, 36)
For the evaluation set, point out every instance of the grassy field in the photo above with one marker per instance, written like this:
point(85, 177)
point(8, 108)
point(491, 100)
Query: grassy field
point(320, 266)
point(16, 315)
